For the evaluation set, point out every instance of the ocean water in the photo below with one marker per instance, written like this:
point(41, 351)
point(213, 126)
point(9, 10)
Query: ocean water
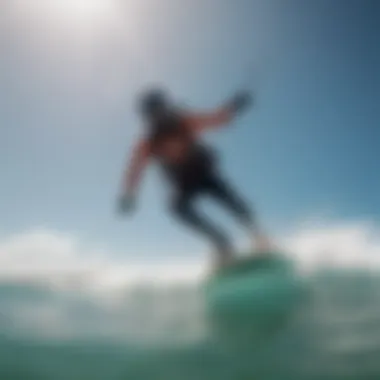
point(72, 328)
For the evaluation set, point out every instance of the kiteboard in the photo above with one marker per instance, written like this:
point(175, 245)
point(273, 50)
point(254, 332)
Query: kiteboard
point(245, 264)
point(252, 291)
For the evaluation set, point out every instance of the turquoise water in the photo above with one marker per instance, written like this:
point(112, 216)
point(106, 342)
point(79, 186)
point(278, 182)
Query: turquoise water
point(151, 332)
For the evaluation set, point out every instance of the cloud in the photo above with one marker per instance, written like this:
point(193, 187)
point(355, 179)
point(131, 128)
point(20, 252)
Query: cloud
point(344, 244)
point(49, 253)
point(41, 250)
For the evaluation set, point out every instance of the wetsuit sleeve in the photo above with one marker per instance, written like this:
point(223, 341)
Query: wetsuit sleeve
point(138, 162)
point(212, 120)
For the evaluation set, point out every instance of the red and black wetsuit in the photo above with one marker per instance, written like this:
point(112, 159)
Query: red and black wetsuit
point(191, 167)
point(184, 159)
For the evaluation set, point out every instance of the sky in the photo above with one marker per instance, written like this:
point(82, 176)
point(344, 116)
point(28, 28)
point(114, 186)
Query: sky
point(69, 75)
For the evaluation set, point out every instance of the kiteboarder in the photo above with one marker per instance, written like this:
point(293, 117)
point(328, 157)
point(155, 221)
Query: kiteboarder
point(172, 137)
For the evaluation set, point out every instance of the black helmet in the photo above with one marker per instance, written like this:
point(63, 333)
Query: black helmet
point(153, 102)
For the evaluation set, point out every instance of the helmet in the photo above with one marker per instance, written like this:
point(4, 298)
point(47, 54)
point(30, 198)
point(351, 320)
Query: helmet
point(153, 102)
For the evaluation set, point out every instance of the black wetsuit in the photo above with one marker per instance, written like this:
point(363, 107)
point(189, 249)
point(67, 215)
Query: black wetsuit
point(196, 173)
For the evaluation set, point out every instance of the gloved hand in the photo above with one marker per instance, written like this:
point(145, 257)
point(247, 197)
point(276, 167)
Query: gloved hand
point(241, 101)
point(126, 204)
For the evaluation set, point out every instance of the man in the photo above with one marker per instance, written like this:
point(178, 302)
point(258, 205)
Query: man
point(172, 138)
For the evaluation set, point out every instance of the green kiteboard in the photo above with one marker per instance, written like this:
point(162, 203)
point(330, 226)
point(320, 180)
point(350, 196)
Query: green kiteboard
point(257, 292)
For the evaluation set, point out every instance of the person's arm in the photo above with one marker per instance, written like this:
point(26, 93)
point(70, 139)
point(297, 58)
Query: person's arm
point(220, 117)
point(132, 175)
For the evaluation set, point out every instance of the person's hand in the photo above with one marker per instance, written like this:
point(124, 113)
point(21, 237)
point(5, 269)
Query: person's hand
point(241, 101)
point(126, 204)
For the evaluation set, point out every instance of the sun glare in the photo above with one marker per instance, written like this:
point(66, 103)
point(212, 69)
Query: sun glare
point(74, 12)
point(83, 9)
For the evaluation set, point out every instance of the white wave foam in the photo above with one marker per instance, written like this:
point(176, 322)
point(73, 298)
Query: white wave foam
point(84, 291)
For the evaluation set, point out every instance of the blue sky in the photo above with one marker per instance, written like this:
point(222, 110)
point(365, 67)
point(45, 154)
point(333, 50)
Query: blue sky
point(67, 86)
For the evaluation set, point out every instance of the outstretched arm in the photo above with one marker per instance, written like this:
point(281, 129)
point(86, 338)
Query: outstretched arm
point(133, 173)
point(221, 116)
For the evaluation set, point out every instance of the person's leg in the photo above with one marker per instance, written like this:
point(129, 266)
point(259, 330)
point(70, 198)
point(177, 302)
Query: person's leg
point(221, 190)
point(182, 207)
